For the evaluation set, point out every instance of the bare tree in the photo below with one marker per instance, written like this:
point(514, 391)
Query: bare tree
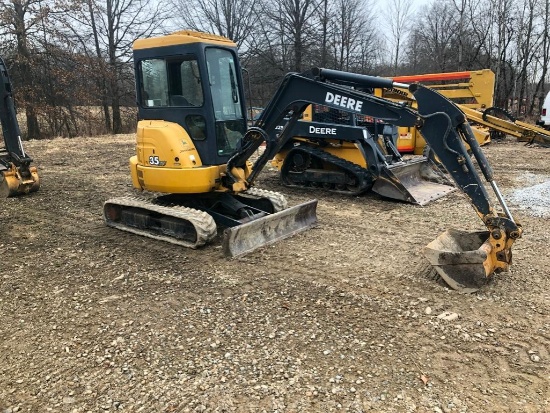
point(234, 19)
point(527, 41)
point(353, 27)
point(325, 25)
point(433, 37)
point(298, 23)
point(399, 12)
point(543, 56)
point(20, 21)
point(106, 29)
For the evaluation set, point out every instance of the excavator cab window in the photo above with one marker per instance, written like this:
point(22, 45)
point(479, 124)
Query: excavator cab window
point(171, 82)
point(226, 99)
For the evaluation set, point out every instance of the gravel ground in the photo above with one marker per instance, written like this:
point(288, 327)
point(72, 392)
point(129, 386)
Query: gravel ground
point(341, 318)
point(534, 199)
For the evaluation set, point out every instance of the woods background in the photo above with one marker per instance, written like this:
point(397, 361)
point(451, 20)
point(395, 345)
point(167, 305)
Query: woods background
point(70, 60)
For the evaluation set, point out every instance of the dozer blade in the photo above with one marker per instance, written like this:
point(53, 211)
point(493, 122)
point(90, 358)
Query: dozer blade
point(247, 237)
point(462, 259)
point(13, 182)
point(411, 182)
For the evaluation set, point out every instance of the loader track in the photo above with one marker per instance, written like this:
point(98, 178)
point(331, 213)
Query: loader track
point(293, 173)
point(176, 224)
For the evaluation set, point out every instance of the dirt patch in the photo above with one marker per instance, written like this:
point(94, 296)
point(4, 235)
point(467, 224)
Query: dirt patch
point(338, 318)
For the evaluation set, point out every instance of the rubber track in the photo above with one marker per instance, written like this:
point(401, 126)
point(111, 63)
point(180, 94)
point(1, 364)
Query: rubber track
point(205, 227)
point(277, 199)
point(363, 176)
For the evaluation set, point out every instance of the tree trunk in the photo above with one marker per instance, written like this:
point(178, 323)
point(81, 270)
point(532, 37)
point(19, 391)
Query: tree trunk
point(33, 127)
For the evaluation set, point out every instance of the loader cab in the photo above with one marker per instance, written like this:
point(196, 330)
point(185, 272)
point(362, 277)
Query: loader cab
point(194, 80)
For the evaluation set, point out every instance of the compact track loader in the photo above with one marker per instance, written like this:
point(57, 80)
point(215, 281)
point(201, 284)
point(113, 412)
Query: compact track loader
point(346, 157)
point(17, 176)
point(194, 151)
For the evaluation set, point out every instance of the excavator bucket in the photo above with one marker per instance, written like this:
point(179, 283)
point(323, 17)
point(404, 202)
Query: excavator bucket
point(264, 231)
point(13, 182)
point(414, 181)
point(462, 259)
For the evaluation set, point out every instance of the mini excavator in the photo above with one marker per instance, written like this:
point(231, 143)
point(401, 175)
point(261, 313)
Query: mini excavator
point(194, 155)
point(17, 176)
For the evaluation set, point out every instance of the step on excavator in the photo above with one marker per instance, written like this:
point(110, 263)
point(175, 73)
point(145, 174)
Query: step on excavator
point(17, 176)
point(194, 155)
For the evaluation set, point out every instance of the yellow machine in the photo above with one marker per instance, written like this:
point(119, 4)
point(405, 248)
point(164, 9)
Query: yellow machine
point(353, 154)
point(194, 155)
point(191, 120)
point(17, 176)
point(498, 121)
point(469, 90)
point(472, 92)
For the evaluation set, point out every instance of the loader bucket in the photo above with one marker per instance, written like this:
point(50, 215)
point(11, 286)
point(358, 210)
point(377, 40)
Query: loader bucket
point(461, 258)
point(415, 182)
point(13, 182)
point(247, 237)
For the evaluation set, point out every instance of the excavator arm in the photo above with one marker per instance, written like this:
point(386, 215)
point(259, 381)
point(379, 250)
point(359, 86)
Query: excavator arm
point(17, 176)
point(464, 260)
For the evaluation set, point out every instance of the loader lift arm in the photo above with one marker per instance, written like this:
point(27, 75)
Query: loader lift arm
point(16, 173)
point(445, 128)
